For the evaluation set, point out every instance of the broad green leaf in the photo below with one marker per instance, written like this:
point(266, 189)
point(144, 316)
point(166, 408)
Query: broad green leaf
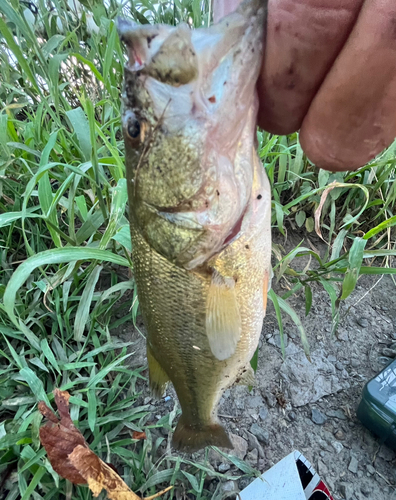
point(106, 348)
point(33, 483)
point(8, 218)
point(77, 365)
point(109, 54)
point(91, 225)
point(104, 371)
point(192, 480)
point(279, 216)
point(119, 287)
point(35, 384)
point(123, 236)
point(4, 133)
point(368, 254)
point(23, 147)
point(82, 206)
point(254, 360)
point(334, 302)
point(284, 264)
point(300, 218)
point(33, 460)
point(37, 362)
point(374, 270)
point(48, 148)
point(79, 122)
point(323, 177)
point(46, 350)
point(309, 224)
point(90, 110)
point(354, 263)
point(159, 477)
point(338, 243)
point(384, 225)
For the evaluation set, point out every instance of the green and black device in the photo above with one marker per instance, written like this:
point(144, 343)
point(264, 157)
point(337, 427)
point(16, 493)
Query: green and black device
point(377, 409)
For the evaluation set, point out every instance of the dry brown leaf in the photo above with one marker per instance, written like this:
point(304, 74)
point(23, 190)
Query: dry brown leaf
point(138, 435)
point(318, 211)
point(59, 438)
point(99, 475)
point(9, 200)
point(90, 195)
point(71, 457)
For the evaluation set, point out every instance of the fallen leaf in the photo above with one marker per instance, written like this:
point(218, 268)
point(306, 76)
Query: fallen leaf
point(100, 476)
point(59, 438)
point(138, 435)
point(71, 457)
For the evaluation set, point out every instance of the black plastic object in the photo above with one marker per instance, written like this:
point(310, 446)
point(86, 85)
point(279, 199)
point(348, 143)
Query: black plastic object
point(377, 409)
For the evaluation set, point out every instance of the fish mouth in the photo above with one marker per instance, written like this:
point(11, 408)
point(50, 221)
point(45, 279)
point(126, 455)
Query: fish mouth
point(162, 52)
point(219, 61)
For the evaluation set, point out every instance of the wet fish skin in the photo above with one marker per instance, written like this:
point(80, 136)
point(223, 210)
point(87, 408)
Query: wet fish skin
point(199, 208)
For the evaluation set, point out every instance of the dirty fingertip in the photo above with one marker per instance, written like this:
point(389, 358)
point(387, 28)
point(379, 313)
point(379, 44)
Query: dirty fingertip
point(321, 154)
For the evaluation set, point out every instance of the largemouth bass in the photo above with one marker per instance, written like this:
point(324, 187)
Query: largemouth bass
point(199, 208)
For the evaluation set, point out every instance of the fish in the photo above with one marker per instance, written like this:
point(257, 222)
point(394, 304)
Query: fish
point(200, 208)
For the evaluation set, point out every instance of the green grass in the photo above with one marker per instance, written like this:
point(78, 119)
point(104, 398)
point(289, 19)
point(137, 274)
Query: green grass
point(65, 280)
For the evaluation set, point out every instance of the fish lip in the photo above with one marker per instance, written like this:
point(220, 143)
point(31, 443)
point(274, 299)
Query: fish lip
point(179, 218)
point(138, 37)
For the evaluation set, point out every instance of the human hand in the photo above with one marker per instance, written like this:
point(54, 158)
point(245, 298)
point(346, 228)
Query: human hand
point(329, 70)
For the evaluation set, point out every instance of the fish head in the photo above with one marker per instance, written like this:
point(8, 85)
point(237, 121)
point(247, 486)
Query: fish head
point(189, 118)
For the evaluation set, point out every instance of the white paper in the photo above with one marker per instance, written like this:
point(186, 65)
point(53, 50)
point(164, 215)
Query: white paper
point(281, 482)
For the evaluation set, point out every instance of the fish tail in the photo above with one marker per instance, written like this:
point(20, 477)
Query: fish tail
point(188, 437)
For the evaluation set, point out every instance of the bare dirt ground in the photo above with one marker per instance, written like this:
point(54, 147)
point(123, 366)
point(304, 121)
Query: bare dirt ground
point(311, 407)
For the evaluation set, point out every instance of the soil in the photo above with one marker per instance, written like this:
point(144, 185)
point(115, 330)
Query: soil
point(311, 407)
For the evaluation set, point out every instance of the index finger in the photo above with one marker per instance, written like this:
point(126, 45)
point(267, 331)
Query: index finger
point(302, 42)
point(304, 38)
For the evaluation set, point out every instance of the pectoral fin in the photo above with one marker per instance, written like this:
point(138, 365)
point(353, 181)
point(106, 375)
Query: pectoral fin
point(158, 379)
point(223, 321)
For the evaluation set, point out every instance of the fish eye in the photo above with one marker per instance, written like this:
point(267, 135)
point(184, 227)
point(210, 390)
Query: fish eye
point(133, 128)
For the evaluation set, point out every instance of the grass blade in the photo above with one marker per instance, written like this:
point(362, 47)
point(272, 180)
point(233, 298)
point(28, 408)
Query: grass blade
point(85, 304)
point(35, 384)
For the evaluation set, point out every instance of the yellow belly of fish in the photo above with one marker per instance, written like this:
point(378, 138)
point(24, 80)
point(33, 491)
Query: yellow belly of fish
point(173, 304)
